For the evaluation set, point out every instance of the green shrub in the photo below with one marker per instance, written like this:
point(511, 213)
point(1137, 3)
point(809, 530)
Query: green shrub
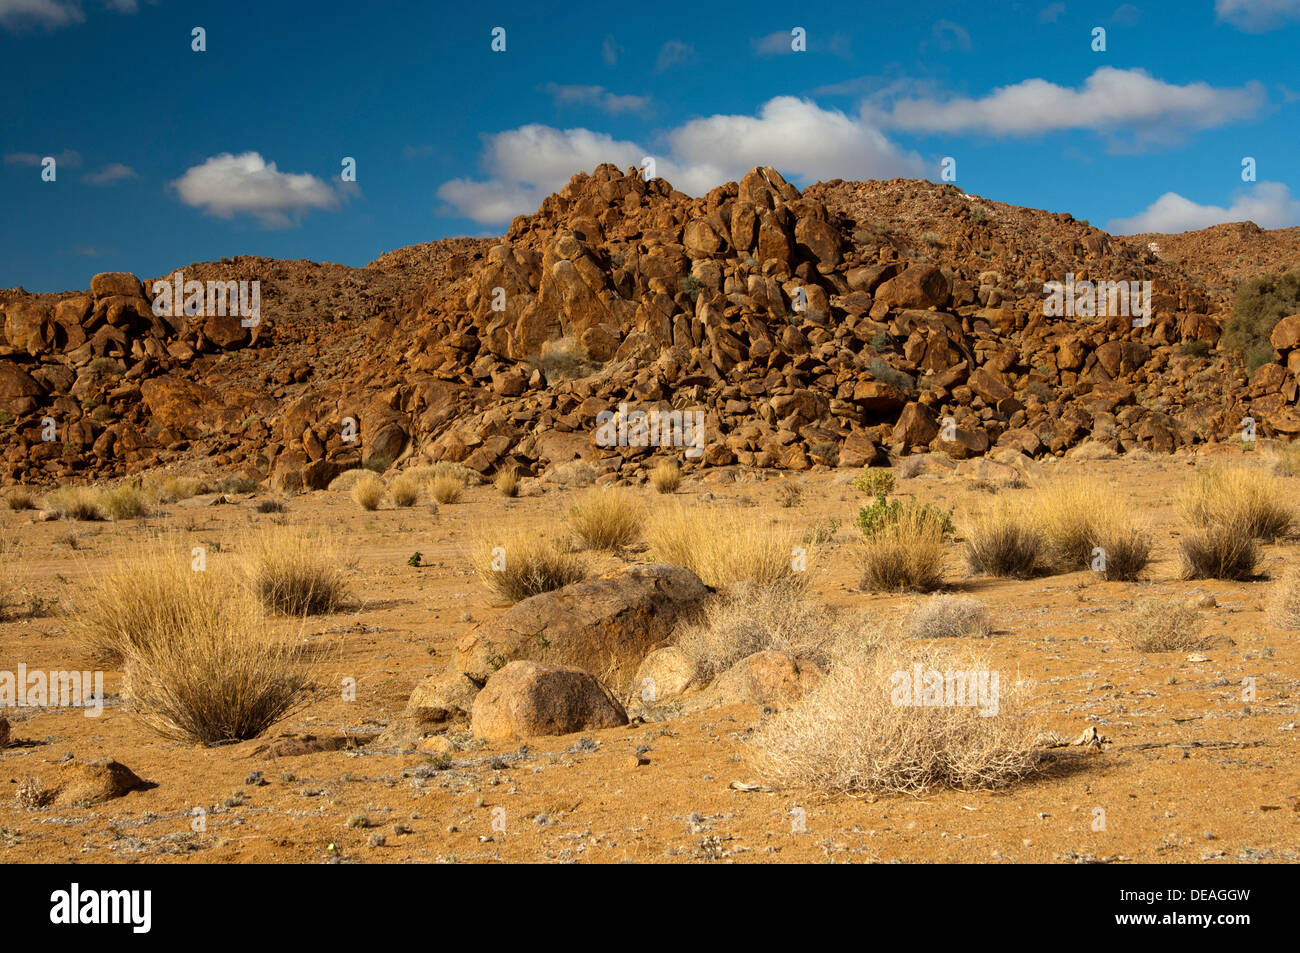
point(691, 286)
point(1258, 306)
point(881, 370)
point(874, 482)
point(883, 514)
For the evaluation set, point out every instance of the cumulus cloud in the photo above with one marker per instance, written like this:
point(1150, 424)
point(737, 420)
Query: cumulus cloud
point(798, 137)
point(1267, 204)
point(1110, 100)
point(774, 44)
point(225, 185)
point(596, 96)
point(1257, 16)
point(113, 172)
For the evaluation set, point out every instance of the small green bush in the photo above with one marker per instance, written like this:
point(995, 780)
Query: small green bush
point(1258, 306)
point(883, 514)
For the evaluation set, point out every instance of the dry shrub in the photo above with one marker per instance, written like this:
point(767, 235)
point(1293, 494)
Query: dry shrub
point(1284, 607)
point(405, 490)
point(948, 617)
point(345, 481)
point(145, 596)
point(1285, 458)
point(76, 502)
point(214, 677)
point(294, 574)
point(173, 488)
point(1003, 542)
point(20, 499)
point(1249, 499)
point(519, 564)
point(1158, 625)
point(607, 518)
point(853, 733)
point(368, 491)
point(789, 493)
point(904, 554)
point(725, 546)
point(748, 619)
point(1219, 551)
point(446, 489)
point(1070, 516)
point(1127, 550)
point(666, 477)
point(507, 482)
point(124, 502)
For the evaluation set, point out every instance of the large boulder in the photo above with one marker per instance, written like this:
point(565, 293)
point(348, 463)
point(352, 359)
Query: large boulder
point(88, 783)
point(528, 699)
point(109, 283)
point(608, 624)
point(920, 286)
point(769, 677)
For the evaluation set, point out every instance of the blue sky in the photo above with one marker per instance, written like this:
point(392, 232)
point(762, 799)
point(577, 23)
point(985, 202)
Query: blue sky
point(165, 155)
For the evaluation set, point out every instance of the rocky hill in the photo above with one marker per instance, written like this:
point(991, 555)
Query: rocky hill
point(851, 323)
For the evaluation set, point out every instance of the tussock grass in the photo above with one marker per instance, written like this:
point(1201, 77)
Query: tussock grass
point(405, 490)
point(124, 502)
point(507, 482)
point(905, 554)
point(1248, 499)
point(293, 573)
point(1219, 551)
point(173, 488)
point(851, 735)
point(1284, 606)
point(445, 468)
point(1070, 516)
point(213, 677)
point(948, 617)
point(607, 518)
point(446, 489)
point(368, 491)
point(1157, 625)
point(1004, 542)
point(1127, 550)
point(20, 499)
point(748, 619)
point(724, 546)
point(76, 502)
point(666, 477)
point(519, 564)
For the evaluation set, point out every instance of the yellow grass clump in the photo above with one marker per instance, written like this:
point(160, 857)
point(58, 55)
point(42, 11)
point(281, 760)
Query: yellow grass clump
point(293, 573)
point(507, 482)
point(1003, 541)
point(725, 546)
point(368, 491)
point(446, 489)
point(1248, 499)
point(607, 518)
point(666, 477)
point(124, 502)
point(906, 553)
point(405, 490)
point(76, 502)
point(519, 564)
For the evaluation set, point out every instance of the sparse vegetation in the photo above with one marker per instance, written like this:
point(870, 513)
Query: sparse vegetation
point(1284, 606)
point(1156, 625)
point(1219, 551)
point(666, 477)
point(1256, 309)
point(1249, 499)
point(875, 481)
point(607, 518)
point(905, 553)
point(446, 489)
point(507, 482)
point(724, 546)
point(124, 502)
point(20, 499)
point(368, 492)
point(405, 490)
point(1003, 541)
point(520, 564)
point(293, 573)
point(948, 617)
point(76, 502)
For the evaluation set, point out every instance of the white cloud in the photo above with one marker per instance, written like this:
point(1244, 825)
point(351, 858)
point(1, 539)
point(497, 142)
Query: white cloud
point(226, 185)
point(1257, 16)
point(1267, 204)
point(674, 53)
point(18, 15)
point(113, 172)
point(798, 137)
point(609, 50)
point(596, 96)
point(950, 36)
point(774, 44)
point(1110, 100)
point(69, 158)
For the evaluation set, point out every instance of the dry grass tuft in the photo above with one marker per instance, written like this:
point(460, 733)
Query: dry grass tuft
point(368, 491)
point(124, 502)
point(1157, 625)
point(519, 564)
point(1248, 499)
point(214, 677)
point(854, 734)
point(294, 574)
point(1126, 549)
point(1070, 516)
point(905, 554)
point(1003, 542)
point(1284, 607)
point(949, 617)
point(666, 477)
point(726, 546)
point(507, 482)
point(20, 499)
point(446, 489)
point(748, 619)
point(405, 490)
point(1219, 551)
point(607, 518)
point(76, 502)
point(445, 468)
